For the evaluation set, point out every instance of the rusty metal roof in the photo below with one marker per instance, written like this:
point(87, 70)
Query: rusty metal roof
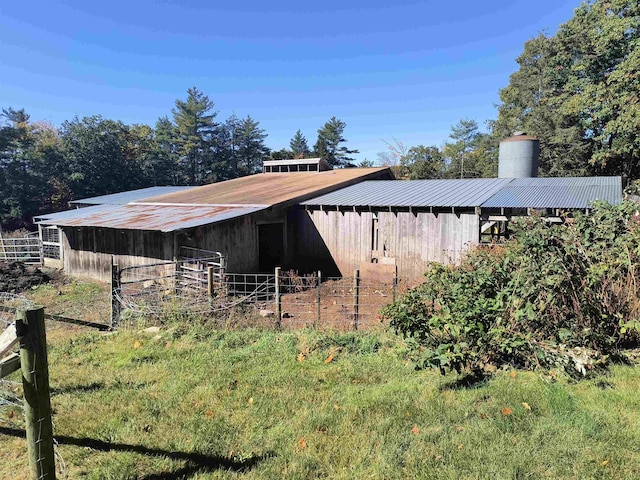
point(122, 198)
point(271, 189)
point(163, 218)
point(213, 203)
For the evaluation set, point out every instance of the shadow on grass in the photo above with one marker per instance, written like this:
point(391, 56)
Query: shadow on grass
point(89, 387)
point(95, 386)
point(195, 462)
point(466, 382)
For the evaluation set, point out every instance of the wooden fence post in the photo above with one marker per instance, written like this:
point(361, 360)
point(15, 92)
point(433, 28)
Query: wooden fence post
point(278, 304)
point(37, 402)
point(356, 297)
point(319, 298)
point(115, 293)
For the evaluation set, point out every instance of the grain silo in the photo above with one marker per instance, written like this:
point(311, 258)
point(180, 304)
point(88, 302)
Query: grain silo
point(518, 157)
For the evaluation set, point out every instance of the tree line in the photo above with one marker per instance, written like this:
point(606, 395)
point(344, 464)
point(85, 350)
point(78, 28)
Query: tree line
point(578, 91)
point(43, 167)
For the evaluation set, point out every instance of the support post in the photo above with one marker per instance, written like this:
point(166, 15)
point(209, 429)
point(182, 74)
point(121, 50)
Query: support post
point(356, 297)
point(210, 282)
point(278, 304)
point(317, 322)
point(115, 292)
point(223, 268)
point(37, 402)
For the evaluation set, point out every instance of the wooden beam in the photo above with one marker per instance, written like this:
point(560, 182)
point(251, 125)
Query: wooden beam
point(8, 340)
point(9, 364)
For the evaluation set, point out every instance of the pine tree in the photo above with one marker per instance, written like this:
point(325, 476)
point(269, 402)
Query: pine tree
point(328, 146)
point(299, 146)
point(195, 129)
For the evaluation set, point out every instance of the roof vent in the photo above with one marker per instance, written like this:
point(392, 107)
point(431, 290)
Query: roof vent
point(295, 165)
point(518, 157)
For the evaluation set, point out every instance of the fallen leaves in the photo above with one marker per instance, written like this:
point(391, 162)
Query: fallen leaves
point(526, 406)
point(506, 411)
point(302, 443)
point(137, 344)
point(329, 359)
point(415, 430)
point(301, 357)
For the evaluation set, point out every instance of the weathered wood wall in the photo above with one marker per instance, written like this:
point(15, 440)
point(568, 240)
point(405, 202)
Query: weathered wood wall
point(88, 251)
point(411, 238)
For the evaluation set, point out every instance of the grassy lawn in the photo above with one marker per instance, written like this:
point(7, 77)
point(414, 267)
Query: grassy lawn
point(195, 403)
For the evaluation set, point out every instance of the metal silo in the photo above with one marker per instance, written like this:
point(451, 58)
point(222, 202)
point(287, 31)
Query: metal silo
point(518, 156)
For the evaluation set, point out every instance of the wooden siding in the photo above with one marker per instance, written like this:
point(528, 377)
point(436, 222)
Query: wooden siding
point(88, 251)
point(411, 238)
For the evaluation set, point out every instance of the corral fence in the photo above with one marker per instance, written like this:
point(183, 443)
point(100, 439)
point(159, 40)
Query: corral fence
point(199, 285)
point(26, 249)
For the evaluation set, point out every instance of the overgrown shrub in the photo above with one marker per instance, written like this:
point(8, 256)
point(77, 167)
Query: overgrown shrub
point(553, 295)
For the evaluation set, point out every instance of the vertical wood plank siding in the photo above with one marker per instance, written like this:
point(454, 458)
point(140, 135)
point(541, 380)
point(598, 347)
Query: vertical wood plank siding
point(88, 250)
point(413, 239)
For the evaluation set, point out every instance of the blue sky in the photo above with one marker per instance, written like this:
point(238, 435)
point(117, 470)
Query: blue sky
point(390, 69)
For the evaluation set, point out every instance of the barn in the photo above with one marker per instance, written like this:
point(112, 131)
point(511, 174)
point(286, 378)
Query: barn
point(249, 219)
point(302, 215)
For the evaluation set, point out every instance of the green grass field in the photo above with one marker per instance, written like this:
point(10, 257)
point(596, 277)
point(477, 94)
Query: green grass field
point(197, 403)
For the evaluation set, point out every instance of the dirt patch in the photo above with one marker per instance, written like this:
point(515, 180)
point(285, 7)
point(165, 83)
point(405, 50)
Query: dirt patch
point(336, 308)
point(17, 277)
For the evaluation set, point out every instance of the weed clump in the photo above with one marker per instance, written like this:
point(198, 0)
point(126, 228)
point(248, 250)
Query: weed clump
point(553, 296)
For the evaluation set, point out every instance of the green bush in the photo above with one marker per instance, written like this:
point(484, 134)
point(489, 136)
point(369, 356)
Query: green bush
point(555, 295)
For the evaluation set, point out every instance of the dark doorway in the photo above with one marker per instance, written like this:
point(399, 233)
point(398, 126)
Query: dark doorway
point(270, 245)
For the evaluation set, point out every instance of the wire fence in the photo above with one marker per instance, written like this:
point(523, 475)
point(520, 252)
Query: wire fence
point(283, 299)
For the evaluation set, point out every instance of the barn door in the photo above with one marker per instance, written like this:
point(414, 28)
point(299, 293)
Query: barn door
point(270, 246)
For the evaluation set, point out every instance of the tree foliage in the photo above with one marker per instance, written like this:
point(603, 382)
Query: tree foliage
point(299, 146)
point(330, 144)
point(578, 91)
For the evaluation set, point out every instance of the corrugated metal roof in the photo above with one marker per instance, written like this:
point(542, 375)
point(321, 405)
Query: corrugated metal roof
point(272, 188)
point(123, 198)
point(569, 192)
point(161, 218)
point(414, 193)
